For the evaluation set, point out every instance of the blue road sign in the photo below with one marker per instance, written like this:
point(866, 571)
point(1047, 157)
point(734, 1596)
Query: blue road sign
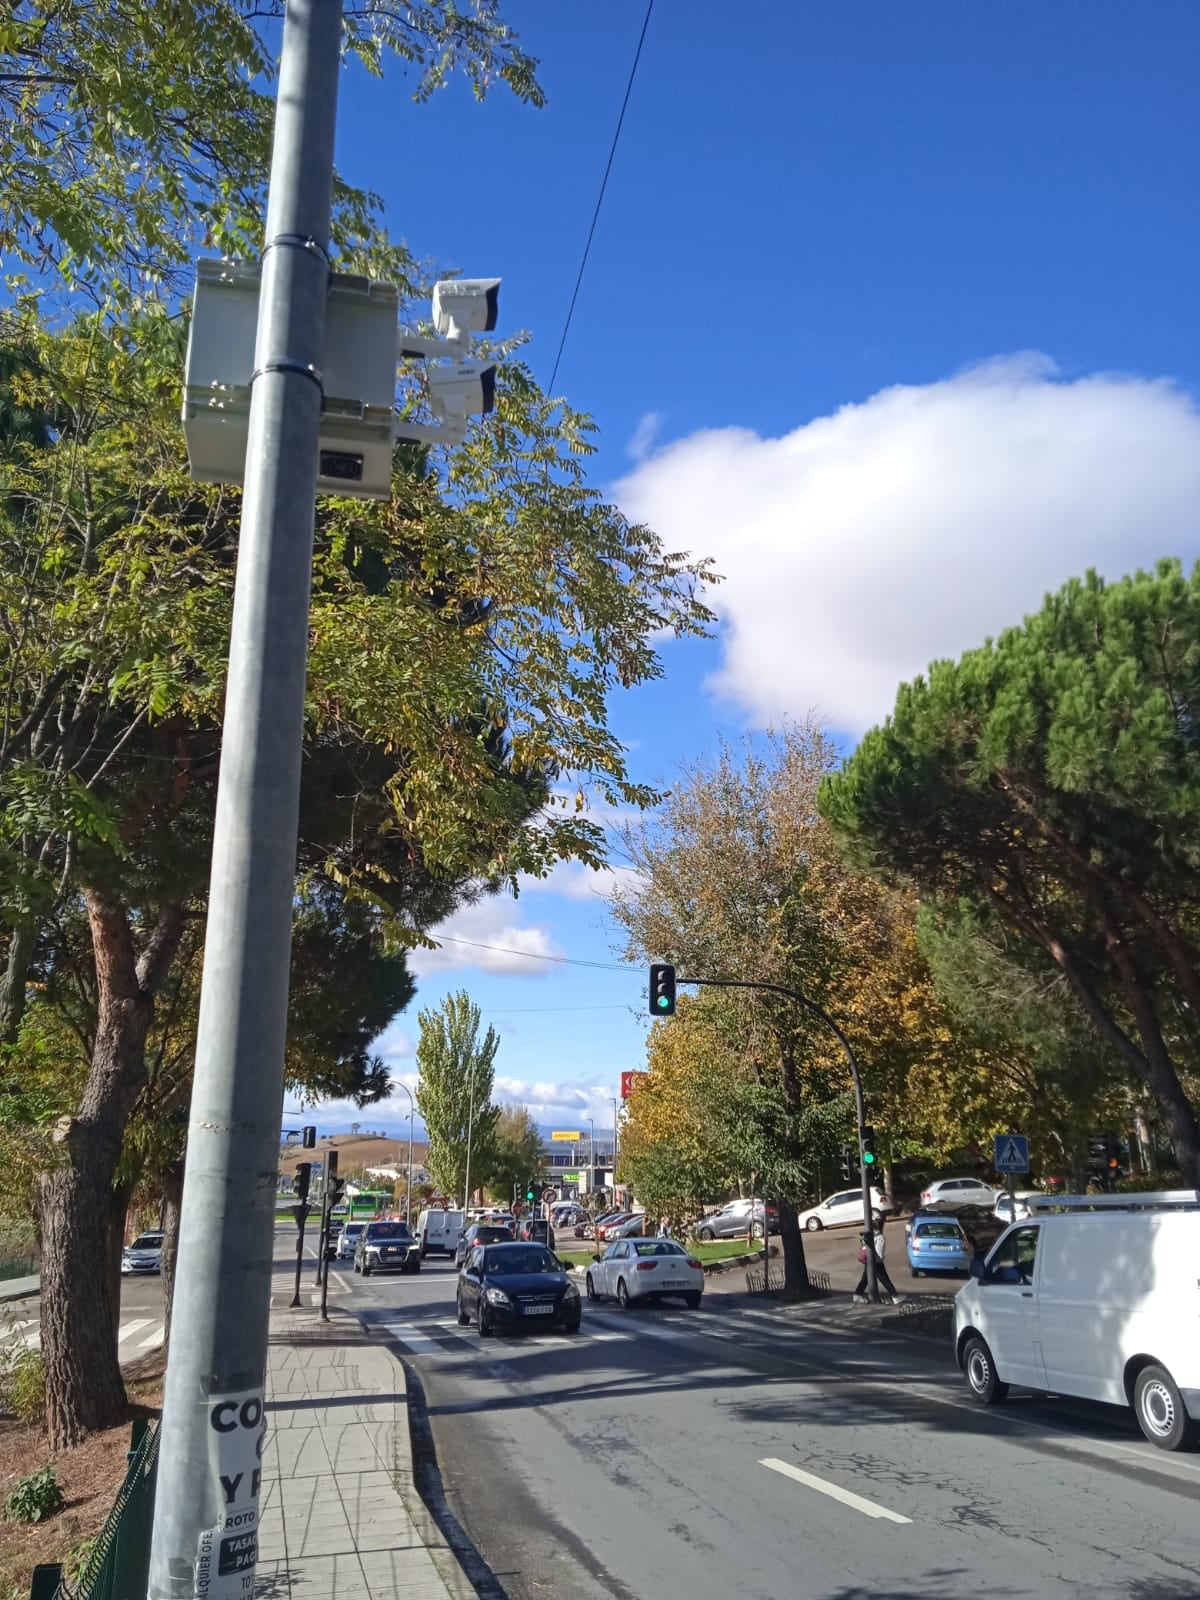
point(1012, 1152)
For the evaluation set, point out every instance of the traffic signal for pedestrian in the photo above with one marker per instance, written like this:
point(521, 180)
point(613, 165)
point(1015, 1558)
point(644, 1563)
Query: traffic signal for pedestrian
point(847, 1161)
point(335, 1188)
point(868, 1147)
point(308, 1138)
point(662, 989)
point(302, 1180)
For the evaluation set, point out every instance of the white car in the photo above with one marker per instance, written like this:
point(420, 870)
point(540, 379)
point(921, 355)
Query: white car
point(947, 1194)
point(843, 1210)
point(348, 1240)
point(645, 1269)
point(143, 1255)
point(1023, 1198)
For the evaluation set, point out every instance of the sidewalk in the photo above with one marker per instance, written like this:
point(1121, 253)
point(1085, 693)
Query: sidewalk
point(20, 1288)
point(341, 1518)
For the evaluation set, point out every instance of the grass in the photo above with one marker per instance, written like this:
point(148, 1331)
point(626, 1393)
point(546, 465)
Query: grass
point(719, 1250)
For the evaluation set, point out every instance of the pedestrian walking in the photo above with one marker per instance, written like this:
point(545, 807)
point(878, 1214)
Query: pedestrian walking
point(881, 1271)
point(665, 1228)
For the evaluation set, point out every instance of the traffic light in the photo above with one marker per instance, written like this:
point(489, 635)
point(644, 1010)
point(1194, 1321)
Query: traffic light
point(662, 989)
point(530, 1192)
point(335, 1188)
point(302, 1180)
point(847, 1162)
point(868, 1147)
point(308, 1138)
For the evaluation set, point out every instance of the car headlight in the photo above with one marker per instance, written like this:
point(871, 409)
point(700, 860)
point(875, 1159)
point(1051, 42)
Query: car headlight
point(572, 1292)
point(497, 1297)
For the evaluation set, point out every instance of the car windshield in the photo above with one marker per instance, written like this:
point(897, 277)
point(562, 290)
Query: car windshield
point(387, 1230)
point(657, 1247)
point(939, 1230)
point(510, 1260)
point(350, 1229)
point(147, 1241)
point(491, 1235)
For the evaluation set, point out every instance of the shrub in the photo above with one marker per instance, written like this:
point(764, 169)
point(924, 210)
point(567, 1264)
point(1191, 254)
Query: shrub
point(35, 1497)
point(23, 1383)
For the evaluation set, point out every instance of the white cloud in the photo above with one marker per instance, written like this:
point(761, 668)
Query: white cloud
point(864, 545)
point(552, 1105)
point(512, 947)
point(395, 1044)
point(644, 436)
point(575, 881)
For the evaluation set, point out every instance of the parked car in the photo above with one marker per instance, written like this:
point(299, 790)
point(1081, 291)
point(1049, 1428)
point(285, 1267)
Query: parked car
point(480, 1233)
point(439, 1230)
point(587, 1227)
point(333, 1234)
point(645, 1269)
point(733, 1221)
point(844, 1210)
point(937, 1244)
point(948, 1194)
point(1006, 1213)
point(506, 1287)
point(348, 1240)
point(536, 1230)
point(386, 1247)
point(1093, 1301)
point(143, 1255)
point(603, 1228)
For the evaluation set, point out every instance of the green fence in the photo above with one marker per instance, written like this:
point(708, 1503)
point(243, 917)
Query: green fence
point(119, 1565)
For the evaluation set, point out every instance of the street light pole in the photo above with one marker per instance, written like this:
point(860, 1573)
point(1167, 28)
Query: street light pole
point(412, 1108)
point(213, 1410)
point(470, 1126)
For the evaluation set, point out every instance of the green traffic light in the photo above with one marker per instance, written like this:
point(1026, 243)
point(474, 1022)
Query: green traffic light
point(868, 1158)
point(663, 1002)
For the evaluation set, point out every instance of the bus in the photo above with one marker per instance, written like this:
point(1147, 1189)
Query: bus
point(368, 1203)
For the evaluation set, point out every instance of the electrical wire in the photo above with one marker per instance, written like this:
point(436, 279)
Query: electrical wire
point(533, 955)
point(600, 197)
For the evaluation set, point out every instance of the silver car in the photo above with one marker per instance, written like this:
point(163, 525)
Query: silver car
point(348, 1239)
point(143, 1255)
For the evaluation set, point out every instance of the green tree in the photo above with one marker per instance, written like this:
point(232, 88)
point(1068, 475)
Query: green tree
point(516, 1152)
point(135, 137)
point(464, 641)
point(737, 878)
point(454, 1093)
point(1051, 779)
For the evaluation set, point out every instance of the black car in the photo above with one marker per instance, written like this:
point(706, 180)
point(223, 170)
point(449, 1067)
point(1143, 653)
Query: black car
point(504, 1287)
point(480, 1233)
point(331, 1238)
point(386, 1247)
point(536, 1230)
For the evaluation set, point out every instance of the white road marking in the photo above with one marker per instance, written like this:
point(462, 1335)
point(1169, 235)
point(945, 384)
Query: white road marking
point(155, 1339)
point(130, 1328)
point(856, 1502)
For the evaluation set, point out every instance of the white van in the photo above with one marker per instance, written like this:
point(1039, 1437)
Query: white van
point(1095, 1296)
point(439, 1230)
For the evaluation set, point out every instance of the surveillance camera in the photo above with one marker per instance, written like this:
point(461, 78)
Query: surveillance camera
point(463, 306)
point(466, 389)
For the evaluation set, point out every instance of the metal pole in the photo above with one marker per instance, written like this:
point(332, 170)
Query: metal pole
point(614, 1145)
point(408, 1191)
point(470, 1126)
point(213, 1410)
point(301, 1215)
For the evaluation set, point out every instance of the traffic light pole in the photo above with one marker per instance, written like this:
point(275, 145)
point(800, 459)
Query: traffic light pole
point(206, 1507)
point(859, 1103)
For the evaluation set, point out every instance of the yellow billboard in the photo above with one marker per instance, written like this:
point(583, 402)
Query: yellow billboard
point(567, 1138)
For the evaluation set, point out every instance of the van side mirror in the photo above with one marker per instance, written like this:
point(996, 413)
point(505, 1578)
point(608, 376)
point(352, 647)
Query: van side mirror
point(977, 1268)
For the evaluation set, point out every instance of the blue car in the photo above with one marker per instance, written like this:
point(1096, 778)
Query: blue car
point(938, 1244)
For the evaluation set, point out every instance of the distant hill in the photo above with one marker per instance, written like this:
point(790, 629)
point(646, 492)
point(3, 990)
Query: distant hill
point(355, 1150)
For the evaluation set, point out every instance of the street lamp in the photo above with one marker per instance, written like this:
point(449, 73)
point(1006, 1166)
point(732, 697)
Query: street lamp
point(408, 1191)
point(470, 1126)
point(591, 1151)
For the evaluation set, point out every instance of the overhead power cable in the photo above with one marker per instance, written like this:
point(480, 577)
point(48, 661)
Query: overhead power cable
point(637, 56)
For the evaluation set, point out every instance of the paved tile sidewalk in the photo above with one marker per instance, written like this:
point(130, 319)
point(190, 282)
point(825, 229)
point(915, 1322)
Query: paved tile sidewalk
point(337, 1489)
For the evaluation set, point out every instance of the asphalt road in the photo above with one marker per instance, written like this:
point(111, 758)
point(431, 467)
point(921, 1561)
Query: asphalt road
point(706, 1454)
point(141, 1325)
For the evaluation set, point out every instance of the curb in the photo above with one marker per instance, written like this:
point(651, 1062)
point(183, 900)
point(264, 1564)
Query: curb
point(26, 1292)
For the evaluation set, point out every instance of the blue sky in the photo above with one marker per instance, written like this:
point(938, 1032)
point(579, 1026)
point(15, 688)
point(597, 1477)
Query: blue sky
point(891, 310)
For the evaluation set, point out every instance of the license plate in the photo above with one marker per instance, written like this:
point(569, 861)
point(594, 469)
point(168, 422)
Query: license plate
point(944, 1247)
point(539, 1311)
point(675, 1283)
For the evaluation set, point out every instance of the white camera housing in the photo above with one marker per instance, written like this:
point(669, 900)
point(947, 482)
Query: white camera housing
point(466, 389)
point(463, 306)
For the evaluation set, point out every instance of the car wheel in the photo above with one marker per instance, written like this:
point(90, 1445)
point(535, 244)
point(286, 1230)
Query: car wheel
point(573, 1326)
point(416, 1266)
point(623, 1299)
point(707, 1235)
point(980, 1372)
point(1160, 1411)
point(814, 1224)
point(463, 1318)
point(693, 1301)
point(357, 1268)
point(424, 1252)
point(366, 1271)
point(916, 1271)
point(756, 1231)
point(590, 1288)
point(481, 1321)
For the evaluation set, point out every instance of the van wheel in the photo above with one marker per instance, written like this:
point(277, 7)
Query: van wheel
point(1160, 1411)
point(980, 1372)
point(814, 1224)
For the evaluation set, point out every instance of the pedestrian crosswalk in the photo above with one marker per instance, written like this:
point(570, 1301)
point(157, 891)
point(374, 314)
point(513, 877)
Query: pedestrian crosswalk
point(445, 1337)
point(134, 1338)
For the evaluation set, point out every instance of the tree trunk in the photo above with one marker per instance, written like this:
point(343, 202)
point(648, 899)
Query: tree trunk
point(21, 945)
point(84, 1390)
point(791, 1236)
point(172, 1203)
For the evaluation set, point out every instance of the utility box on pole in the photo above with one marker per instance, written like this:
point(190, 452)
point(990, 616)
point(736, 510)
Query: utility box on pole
point(357, 377)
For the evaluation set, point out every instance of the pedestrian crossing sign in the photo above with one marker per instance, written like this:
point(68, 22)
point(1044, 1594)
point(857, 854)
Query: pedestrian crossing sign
point(1012, 1152)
